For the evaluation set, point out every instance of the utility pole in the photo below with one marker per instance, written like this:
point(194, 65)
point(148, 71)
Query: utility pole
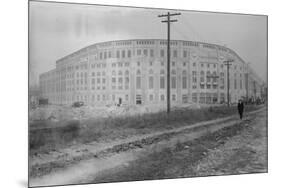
point(255, 89)
point(228, 64)
point(247, 74)
point(168, 21)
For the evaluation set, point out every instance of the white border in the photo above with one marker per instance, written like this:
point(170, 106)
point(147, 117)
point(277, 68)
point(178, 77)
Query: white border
point(13, 103)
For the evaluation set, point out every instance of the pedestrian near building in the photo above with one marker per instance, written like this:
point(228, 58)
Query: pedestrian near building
point(240, 107)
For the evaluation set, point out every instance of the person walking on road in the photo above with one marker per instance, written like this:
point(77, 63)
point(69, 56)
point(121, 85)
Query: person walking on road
point(240, 107)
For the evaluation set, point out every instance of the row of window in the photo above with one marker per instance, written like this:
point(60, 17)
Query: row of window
point(196, 97)
point(202, 97)
point(142, 52)
point(207, 97)
point(162, 82)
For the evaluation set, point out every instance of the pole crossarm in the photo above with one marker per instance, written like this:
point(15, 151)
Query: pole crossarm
point(166, 15)
point(166, 21)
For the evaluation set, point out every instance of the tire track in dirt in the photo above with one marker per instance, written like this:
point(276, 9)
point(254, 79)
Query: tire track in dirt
point(41, 172)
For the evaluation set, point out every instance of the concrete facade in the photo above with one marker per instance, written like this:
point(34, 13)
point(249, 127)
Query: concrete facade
point(134, 72)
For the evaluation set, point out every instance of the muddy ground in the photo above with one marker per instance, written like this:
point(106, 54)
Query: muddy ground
point(165, 154)
point(239, 149)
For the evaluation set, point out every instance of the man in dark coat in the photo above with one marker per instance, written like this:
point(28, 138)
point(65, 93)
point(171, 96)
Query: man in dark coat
point(240, 108)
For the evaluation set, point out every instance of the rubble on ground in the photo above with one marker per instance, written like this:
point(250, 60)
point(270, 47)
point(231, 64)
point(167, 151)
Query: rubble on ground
point(60, 112)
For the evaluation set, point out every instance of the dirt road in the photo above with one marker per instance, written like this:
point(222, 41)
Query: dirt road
point(238, 149)
point(89, 164)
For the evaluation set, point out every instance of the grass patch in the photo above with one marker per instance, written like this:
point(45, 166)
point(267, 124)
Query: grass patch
point(45, 137)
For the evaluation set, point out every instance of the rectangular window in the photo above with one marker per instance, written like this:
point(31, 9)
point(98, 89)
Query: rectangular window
point(184, 82)
point(175, 53)
point(127, 80)
point(129, 53)
point(162, 82)
point(184, 53)
point(145, 52)
point(123, 53)
point(208, 98)
point(162, 53)
point(202, 98)
point(138, 84)
point(222, 100)
point(138, 99)
point(151, 53)
point(194, 97)
point(174, 82)
point(194, 79)
point(139, 52)
point(151, 97)
point(174, 97)
point(150, 82)
point(184, 98)
point(222, 83)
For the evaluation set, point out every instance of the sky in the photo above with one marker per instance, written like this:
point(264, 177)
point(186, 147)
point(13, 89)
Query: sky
point(58, 29)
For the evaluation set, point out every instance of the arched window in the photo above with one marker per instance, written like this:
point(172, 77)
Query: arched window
point(138, 72)
point(120, 73)
point(126, 72)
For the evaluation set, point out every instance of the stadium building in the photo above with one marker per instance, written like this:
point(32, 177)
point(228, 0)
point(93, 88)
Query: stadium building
point(134, 72)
